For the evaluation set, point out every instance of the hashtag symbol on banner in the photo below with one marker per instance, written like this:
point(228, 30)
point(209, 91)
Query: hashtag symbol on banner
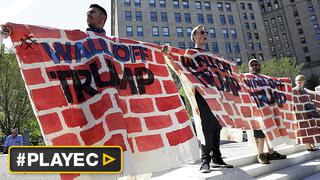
point(21, 159)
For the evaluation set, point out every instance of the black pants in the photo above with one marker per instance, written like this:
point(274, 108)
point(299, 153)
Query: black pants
point(211, 130)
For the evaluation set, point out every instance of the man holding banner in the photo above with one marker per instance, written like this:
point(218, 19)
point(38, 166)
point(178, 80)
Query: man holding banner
point(211, 127)
point(260, 138)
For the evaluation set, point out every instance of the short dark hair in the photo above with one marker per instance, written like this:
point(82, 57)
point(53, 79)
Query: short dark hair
point(99, 7)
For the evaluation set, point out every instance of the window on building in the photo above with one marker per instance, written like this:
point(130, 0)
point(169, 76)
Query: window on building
point(242, 6)
point(152, 3)
point(129, 31)
point(215, 48)
point(176, 4)
point(239, 61)
point(181, 45)
point(212, 32)
point(246, 25)
point(225, 33)
point(153, 16)
point(140, 31)
point(220, 6)
point(228, 48)
point(155, 31)
point(128, 16)
point(286, 45)
point(185, 4)
point(209, 18)
point(177, 17)
point(305, 49)
point(179, 32)
point(249, 6)
point(251, 47)
point(236, 47)
point(164, 16)
point(127, 2)
point(308, 59)
point(207, 5)
point(187, 17)
point(198, 5)
point(261, 57)
point(258, 46)
point(303, 40)
point(165, 31)
point(162, 3)
point(266, 23)
point(254, 25)
point(300, 31)
point(230, 18)
point(138, 16)
point(249, 35)
point(284, 36)
point(191, 44)
point(273, 21)
point(295, 13)
point(200, 19)
point(137, 2)
point(298, 22)
point(256, 35)
point(228, 7)
point(222, 19)
point(233, 33)
point(313, 19)
point(189, 29)
point(251, 15)
point(277, 38)
point(244, 15)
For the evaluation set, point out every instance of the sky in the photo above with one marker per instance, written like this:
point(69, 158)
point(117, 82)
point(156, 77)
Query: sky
point(63, 14)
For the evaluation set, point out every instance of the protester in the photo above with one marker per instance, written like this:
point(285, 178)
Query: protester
point(301, 90)
point(210, 125)
point(260, 138)
point(14, 139)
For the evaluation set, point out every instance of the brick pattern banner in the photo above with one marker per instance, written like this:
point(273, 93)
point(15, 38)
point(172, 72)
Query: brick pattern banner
point(88, 89)
point(307, 106)
point(237, 100)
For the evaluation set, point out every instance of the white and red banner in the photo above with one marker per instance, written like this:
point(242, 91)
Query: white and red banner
point(238, 100)
point(87, 89)
point(307, 108)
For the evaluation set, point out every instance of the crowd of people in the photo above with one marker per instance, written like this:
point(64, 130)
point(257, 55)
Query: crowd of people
point(210, 150)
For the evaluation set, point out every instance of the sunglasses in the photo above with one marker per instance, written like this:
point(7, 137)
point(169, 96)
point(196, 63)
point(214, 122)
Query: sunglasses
point(254, 65)
point(203, 32)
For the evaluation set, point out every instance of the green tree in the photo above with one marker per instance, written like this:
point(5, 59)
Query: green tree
point(15, 107)
point(284, 67)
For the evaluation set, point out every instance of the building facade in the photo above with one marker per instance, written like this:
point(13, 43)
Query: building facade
point(292, 29)
point(235, 28)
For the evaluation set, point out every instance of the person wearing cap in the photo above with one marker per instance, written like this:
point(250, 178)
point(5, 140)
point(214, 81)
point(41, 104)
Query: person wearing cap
point(211, 128)
point(14, 139)
point(301, 90)
point(260, 138)
point(96, 19)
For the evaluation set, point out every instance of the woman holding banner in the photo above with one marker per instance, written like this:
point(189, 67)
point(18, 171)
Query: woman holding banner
point(211, 127)
point(307, 117)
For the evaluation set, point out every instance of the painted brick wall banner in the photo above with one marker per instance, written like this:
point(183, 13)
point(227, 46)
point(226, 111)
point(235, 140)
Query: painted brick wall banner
point(307, 106)
point(88, 89)
point(237, 100)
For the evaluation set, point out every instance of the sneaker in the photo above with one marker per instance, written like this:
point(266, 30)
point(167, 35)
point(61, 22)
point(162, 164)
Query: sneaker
point(220, 163)
point(276, 156)
point(205, 168)
point(313, 149)
point(262, 159)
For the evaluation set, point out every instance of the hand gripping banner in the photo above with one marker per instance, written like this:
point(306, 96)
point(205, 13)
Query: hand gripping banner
point(237, 100)
point(87, 89)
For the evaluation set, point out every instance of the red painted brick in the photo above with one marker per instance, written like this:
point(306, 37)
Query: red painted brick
point(66, 139)
point(192, 78)
point(168, 103)
point(255, 124)
point(317, 139)
point(115, 121)
point(289, 97)
point(149, 142)
point(210, 90)
point(154, 88)
point(312, 123)
point(290, 116)
point(270, 136)
point(266, 111)
point(292, 135)
point(101, 106)
point(179, 136)
point(299, 107)
point(228, 121)
point(141, 105)
point(277, 121)
point(122, 104)
point(133, 124)
point(313, 131)
point(182, 116)
point(159, 57)
point(50, 123)
point(304, 124)
point(116, 140)
point(93, 135)
point(276, 132)
point(246, 125)
point(74, 117)
point(169, 87)
point(299, 116)
point(309, 140)
point(303, 99)
point(246, 111)
point(128, 41)
point(228, 108)
point(236, 109)
point(301, 132)
point(33, 76)
point(47, 98)
point(68, 176)
point(238, 123)
point(158, 122)
point(283, 132)
point(131, 144)
point(246, 98)
point(214, 104)
point(159, 70)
